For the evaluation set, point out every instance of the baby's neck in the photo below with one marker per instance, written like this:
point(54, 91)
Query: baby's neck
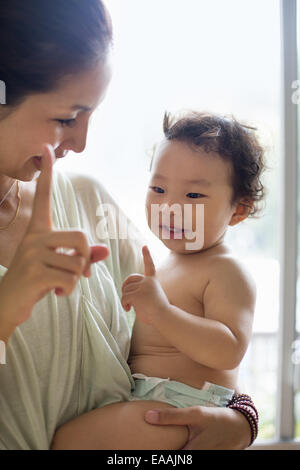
point(218, 244)
point(218, 247)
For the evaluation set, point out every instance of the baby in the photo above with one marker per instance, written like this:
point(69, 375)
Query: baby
point(194, 313)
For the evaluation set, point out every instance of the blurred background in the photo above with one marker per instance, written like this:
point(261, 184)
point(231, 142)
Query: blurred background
point(173, 55)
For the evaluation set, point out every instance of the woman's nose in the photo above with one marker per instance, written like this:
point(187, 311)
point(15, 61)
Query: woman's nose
point(77, 141)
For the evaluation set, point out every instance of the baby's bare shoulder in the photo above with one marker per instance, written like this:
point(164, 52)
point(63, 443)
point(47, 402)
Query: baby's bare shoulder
point(232, 274)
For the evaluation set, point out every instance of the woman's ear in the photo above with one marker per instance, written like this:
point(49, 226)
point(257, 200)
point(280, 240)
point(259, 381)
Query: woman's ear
point(241, 212)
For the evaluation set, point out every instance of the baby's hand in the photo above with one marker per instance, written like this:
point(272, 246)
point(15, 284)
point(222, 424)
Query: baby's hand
point(144, 292)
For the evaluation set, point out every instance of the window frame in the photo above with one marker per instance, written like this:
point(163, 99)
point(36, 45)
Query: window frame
point(285, 422)
point(285, 419)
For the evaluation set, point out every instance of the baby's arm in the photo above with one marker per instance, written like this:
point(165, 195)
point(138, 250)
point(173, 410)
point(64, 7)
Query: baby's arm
point(217, 340)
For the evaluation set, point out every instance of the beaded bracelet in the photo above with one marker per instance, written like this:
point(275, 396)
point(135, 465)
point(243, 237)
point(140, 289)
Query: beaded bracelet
point(244, 404)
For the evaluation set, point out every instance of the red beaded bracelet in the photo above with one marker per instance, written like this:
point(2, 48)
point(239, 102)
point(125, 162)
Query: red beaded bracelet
point(244, 404)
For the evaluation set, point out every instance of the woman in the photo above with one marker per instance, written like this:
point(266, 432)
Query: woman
point(60, 314)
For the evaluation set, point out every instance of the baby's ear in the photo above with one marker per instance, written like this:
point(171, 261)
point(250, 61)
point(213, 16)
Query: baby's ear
point(241, 212)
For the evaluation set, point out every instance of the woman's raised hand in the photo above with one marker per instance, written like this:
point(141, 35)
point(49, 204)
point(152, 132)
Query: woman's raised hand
point(37, 267)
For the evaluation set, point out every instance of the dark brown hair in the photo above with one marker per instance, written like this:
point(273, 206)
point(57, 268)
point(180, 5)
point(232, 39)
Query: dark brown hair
point(41, 41)
point(233, 141)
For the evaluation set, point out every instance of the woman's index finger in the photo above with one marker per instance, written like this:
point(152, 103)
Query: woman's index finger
point(149, 267)
point(41, 211)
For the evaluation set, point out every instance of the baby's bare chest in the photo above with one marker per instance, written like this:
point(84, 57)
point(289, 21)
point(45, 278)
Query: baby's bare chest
point(184, 286)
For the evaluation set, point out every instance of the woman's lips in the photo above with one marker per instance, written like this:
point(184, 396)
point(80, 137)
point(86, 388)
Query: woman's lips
point(63, 155)
point(38, 160)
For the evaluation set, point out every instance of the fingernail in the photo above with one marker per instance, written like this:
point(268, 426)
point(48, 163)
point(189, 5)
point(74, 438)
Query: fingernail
point(87, 272)
point(152, 416)
point(94, 257)
point(59, 291)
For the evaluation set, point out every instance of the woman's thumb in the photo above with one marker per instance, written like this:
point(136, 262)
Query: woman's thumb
point(98, 253)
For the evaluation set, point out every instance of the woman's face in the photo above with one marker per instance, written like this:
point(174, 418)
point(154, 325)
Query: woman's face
point(38, 120)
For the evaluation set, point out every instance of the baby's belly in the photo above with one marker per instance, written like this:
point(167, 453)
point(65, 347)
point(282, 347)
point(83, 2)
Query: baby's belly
point(170, 363)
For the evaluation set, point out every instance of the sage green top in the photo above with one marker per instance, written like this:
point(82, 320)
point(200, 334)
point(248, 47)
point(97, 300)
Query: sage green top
point(70, 356)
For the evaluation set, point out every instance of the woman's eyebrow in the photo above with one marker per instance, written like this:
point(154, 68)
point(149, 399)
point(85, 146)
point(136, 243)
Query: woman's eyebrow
point(80, 107)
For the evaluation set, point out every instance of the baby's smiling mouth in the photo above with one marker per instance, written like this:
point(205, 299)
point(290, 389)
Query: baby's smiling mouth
point(172, 232)
point(171, 228)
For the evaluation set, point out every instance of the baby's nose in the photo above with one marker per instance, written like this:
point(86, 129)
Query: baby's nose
point(171, 206)
point(173, 211)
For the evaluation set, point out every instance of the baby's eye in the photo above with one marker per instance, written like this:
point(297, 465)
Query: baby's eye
point(66, 122)
point(195, 195)
point(157, 189)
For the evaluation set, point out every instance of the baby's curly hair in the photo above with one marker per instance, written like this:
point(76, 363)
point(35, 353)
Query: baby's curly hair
point(233, 141)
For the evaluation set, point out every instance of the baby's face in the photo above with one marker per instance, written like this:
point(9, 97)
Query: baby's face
point(198, 187)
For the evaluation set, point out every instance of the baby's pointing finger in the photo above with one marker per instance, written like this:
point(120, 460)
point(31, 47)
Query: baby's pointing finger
point(148, 262)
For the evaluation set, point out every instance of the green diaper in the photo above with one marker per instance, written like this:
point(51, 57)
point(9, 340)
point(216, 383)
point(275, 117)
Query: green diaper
point(179, 394)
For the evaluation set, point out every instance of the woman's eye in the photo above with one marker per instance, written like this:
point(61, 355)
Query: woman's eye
point(157, 189)
point(195, 195)
point(66, 122)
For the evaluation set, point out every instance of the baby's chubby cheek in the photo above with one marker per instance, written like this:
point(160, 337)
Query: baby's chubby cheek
point(194, 217)
point(153, 217)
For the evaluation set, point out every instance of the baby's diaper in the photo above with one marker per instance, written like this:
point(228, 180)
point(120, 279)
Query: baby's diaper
point(179, 394)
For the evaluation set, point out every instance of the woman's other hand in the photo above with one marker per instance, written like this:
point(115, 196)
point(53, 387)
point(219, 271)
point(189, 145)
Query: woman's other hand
point(37, 267)
point(210, 428)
